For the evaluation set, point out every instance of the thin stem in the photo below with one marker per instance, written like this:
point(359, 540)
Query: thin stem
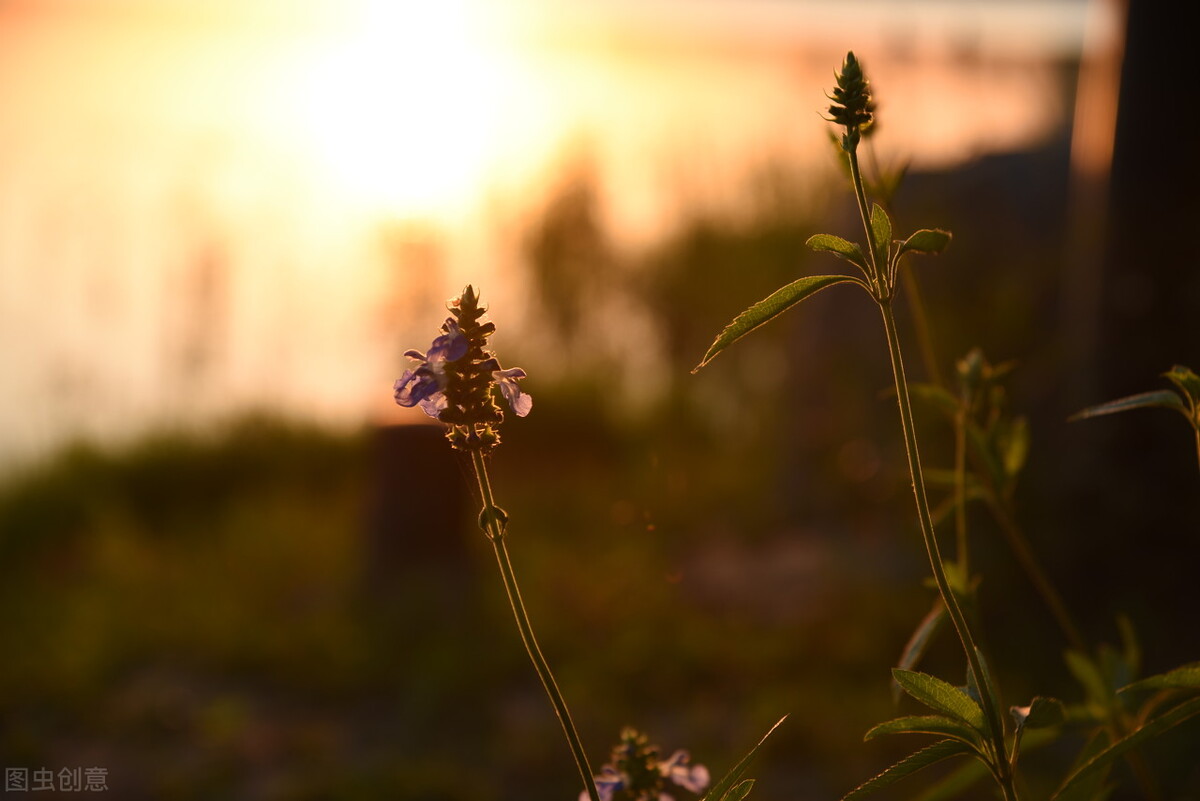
point(495, 532)
point(880, 277)
point(957, 618)
point(883, 297)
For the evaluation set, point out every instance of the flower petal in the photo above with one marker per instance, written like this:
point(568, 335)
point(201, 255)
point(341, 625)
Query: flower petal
point(415, 386)
point(434, 404)
point(689, 777)
point(450, 346)
point(608, 782)
point(520, 402)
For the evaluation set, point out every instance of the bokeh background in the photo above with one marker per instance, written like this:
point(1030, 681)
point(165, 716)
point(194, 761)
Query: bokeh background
point(232, 568)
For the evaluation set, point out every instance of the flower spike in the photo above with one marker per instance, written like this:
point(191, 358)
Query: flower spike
point(453, 380)
point(852, 106)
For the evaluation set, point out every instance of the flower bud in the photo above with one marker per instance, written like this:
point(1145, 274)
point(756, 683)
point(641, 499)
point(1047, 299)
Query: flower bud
point(852, 105)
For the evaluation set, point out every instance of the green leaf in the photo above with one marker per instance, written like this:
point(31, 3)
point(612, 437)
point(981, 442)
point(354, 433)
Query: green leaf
point(1148, 731)
point(1089, 676)
point(981, 446)
point(940, 696)
point(1163, 398)
point(769, 308)
point(926, 724)
point(914, 649)
point(935, 397)
point(926, 240)
point(739, 791)
point(881, 232)
point(968, 773)
point(1130, 649)
point(989, 686)
point(722, 789)
point(1185, 677)
point(1186, 380)
point(842, 248)
point(1040, 714)
point(927, 756)
point(956, 782)
point(1016, 447)
point(1114, 667)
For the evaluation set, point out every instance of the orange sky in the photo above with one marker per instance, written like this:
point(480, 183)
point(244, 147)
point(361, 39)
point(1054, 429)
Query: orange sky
point(194, 196)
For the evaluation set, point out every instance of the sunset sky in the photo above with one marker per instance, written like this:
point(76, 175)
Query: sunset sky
point(200, 203)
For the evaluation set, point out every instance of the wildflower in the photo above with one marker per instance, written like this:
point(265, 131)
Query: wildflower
point(520, 402)
point(689, 777)
point(637, 774)
point(453, 381)
point(425, 386)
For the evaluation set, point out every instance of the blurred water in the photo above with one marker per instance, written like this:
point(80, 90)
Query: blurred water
point(195, 214)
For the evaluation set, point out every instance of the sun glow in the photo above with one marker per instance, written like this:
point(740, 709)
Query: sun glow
point(400, 110)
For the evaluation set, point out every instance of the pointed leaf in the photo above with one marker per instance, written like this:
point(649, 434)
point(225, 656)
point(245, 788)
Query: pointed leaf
point(968, 773)
point(926, 724)
point(842, 248)
point(739, 791)
point(1114, 668)
point(1040, 714)
point(720, 791)
point(1186, 380)
point(1130, 649)
point(881, 232)
point(769, 308)
point(935, 397)
point(1016, 447)
point(955, 782)
point(1150, 730)
point(927, 756)
point(1089, 676)
point(927, 240)
point(940, 696)
point(989, 686)
point(1164, 398)
point(1185, 677)
point(914, 649)
point(981, 446)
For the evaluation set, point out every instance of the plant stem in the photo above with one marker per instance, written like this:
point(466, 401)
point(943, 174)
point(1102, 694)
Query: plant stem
point(883, 296)
point(878, 265)
point(927, 530)
point(957, 618)
point(495, 532)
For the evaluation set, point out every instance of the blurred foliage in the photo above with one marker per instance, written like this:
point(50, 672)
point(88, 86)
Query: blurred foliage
point(208, 615)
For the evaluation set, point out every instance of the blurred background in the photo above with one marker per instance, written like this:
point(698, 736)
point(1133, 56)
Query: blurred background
point(231, 567)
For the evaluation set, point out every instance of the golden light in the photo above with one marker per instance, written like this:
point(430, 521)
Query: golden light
point(400, 108)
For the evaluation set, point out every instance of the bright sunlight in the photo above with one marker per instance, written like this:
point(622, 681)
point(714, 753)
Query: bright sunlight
point(422, 148)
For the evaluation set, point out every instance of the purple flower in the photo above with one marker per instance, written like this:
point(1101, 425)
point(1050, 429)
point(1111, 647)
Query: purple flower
point(424, 385)
point(521, 402)
point(676, 769)
point(689, 777)
point(607, 783)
